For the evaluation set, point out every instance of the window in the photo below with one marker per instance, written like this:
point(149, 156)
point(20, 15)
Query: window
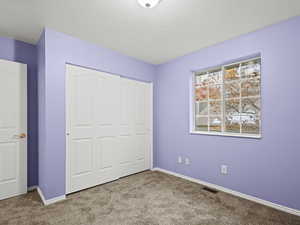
point(227, 100)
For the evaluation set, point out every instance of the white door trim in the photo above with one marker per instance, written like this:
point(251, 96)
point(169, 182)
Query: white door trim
point(67, 112)
point(23, 145)
point(151, 126)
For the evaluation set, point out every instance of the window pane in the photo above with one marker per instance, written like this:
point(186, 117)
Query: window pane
point(201, 108)
point(250, 69)
point(232, 116)
point(201, 123)
point(202, 79)
point(215, 123)
point(232, 73)
point(215, 77)
point(251, 105)
point(215, 108)
point(250, 115)
point(250, 123)
point(201, 93)
point(215, 92)
point(251, 87)
point(232, 90)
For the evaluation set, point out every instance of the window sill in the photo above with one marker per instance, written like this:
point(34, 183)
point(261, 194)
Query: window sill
point(255, 136)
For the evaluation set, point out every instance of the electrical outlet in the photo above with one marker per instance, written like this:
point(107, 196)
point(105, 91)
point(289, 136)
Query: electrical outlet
point(224, 169)
point(187, 161)
point(179, 160)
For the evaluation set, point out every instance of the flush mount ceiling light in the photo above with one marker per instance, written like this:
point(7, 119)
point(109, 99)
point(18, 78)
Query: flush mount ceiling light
point(148, 3)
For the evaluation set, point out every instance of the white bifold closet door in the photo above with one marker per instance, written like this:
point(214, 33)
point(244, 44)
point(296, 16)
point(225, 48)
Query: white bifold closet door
point(135, 126)
point(108, 127)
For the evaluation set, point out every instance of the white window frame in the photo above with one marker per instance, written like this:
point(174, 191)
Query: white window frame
point(223, 132)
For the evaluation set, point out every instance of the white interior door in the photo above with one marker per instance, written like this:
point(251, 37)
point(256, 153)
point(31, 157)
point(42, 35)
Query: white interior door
point(108, 127)
point(13, 128)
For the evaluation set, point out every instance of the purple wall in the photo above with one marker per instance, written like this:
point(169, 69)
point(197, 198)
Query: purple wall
point(59, 50)
point(267, 168)
point(26, 53)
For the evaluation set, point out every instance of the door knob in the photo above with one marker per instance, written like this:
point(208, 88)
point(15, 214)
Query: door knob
point(20, 136)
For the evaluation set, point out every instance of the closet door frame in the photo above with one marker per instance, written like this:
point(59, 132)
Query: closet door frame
point(68, 123)
point(151, 125)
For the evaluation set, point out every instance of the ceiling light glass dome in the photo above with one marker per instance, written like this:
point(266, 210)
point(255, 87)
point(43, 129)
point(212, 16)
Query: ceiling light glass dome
point(148, 3)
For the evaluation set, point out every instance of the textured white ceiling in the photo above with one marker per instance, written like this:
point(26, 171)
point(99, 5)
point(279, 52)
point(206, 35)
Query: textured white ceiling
point(174, 28)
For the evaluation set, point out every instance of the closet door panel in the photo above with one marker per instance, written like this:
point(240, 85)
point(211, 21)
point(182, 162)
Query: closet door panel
point(134, 134)
point(126, 126)
point(81, 125)
point(148, 125)
point(106, 114)
point(140, 124)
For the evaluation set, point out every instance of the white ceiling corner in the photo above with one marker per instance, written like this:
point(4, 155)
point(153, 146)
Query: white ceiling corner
point(172, 29)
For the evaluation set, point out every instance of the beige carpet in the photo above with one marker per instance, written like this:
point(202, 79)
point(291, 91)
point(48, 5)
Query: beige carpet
point(150, 198)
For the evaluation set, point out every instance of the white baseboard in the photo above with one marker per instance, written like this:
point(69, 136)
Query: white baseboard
point(52, 200)
point(232, 192)
point(32, 188)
